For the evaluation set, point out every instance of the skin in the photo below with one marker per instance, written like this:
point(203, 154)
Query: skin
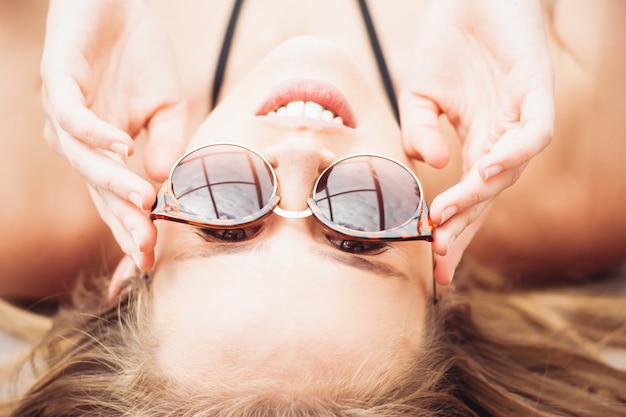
point(578, 179)
point(50, 229)
point(288, 299)
point(484, 64)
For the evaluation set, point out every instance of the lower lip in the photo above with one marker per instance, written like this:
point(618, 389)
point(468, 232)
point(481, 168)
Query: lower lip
point(323, 93)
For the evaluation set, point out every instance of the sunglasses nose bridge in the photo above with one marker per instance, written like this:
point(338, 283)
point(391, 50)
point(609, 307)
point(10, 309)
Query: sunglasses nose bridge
point(290, 214)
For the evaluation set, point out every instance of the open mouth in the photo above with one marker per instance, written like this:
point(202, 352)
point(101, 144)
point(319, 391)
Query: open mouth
point(310, 99)
point(308, 109)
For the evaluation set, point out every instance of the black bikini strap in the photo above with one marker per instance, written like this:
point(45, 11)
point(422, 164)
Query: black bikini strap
point(380, 59)
point(371, 33)
point(223, 58)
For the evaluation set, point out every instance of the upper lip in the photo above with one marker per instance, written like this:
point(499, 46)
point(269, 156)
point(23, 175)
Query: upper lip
point(320, 92)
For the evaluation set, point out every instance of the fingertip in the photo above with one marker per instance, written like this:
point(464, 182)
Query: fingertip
point(143, 232)
point(159, 160)
point(144, 260)
point(440, 242)
point(437, 208)
point(491, 171)
point(149, 239)
point(142, 195)
point(166, 140)
point(442, 273)
point(162, 152)
point(82, 123)
point(445, 266)
point(421, 131)
point(426, 144)
point(124, 270)
point(120, 149)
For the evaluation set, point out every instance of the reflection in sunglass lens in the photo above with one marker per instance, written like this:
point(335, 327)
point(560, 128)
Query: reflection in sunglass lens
point(368, 194)
point(222, 182)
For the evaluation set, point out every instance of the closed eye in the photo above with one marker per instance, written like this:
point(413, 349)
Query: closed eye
point(357, 247)
point(233, 235)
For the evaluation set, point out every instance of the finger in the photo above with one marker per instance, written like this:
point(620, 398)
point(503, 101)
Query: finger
point(518, 146)
point(124, 270)
point(105, 173)
point(132, 228)
point(166, 140)
point(446, 235)
point(471, 191)
point(64, 105)
point(445, 265)
point(421, 133)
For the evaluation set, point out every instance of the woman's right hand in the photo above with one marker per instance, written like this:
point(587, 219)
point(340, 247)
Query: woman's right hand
point(486, 66)
point(108, 73)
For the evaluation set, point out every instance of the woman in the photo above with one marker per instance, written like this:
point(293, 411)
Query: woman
point(287, 317)
point(108, 74)
point(460, 364)
point(525, 242)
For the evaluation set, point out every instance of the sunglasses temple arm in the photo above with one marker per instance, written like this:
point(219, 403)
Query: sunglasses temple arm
point(426, 231)
point(425, 225)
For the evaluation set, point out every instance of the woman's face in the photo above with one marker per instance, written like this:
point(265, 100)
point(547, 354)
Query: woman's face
point(291, 305)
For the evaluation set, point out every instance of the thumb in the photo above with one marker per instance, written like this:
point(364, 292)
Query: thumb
point(166, 140)
point(124, 270)
point(421, 133)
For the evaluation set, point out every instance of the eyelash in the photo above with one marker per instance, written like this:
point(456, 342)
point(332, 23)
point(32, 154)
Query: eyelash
point(339, 242)
point(356, 246)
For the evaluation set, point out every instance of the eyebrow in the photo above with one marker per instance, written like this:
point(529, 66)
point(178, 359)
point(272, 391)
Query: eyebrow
point(209, 251)
point(358, 262)
point(369, 265)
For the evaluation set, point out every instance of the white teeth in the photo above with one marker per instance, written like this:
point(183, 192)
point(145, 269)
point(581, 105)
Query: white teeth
point(313, 110)
point(309, 109)
point(327, 115)
point(295, 108)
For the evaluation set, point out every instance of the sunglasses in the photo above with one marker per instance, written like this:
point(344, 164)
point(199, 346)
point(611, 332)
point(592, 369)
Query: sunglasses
point(363, 197)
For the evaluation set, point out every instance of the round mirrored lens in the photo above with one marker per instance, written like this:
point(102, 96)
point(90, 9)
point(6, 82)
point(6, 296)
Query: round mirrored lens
point(223, 182)
point(368, 193)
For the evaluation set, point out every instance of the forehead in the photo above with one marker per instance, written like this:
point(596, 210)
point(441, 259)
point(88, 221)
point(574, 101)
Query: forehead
point(287, 337)
point(255, 310)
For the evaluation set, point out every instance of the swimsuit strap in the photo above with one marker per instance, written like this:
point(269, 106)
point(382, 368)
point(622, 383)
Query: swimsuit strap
point(371, 33)
point(223, 58)
point(380, 59)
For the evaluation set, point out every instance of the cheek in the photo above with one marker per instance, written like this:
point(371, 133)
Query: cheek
point(224, 124)
point(382, 136)
point(418, 256)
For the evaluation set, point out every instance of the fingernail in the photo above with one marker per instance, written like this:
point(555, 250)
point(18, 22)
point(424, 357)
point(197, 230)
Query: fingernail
point(119, 148)
point(135, 236)
point(448, 212)
point(136, 199)
point(492, 171)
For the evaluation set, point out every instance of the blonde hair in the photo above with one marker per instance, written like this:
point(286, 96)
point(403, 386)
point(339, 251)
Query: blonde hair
point(486, 353)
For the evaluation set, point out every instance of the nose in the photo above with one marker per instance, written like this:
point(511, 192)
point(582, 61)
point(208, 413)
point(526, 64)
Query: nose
point(298, 163)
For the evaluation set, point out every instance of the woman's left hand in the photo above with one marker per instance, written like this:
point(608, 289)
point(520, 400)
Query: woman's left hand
point(108, 73)
point(485, 65)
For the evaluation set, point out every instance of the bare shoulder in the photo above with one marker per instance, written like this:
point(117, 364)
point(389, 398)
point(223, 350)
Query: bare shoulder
point(564, 217)
point(592, 31)
point(50, 230)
